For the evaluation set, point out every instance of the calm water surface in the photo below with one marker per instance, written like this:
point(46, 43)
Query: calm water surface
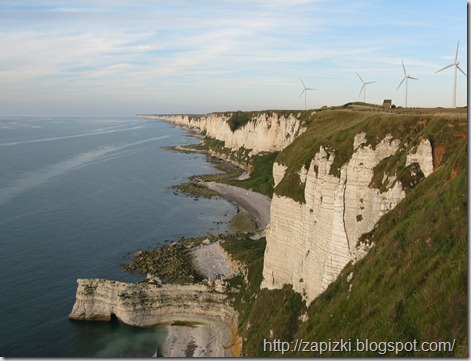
point(78, 196)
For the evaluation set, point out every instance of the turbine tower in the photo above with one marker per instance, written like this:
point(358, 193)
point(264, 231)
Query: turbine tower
point(406, 77)
point(304, 91)
point(456, 64)
point(363, 88)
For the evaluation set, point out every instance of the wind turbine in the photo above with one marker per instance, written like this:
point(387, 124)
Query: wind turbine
point(363, 88)
point(304, 91)
point(406, 77)
point(456, 64)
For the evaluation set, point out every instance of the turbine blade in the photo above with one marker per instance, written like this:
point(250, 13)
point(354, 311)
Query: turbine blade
point(361, 89)
point(302, 93)
point(370, 82)
point(410, 77)
point(456, 56)
point(310, 89)
point(461, 70)
point(304, 85)
point(361, 78)
point(446, 67)
point(401, 83)
point(403, 67)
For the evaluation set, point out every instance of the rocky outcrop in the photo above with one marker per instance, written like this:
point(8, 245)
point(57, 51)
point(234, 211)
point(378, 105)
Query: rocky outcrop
point(422, 156)
point(147, 304)
point(278, 173)
point(266, 132)
point(309, 244)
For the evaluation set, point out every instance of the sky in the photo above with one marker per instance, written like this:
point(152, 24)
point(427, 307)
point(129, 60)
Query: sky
point(124, 57)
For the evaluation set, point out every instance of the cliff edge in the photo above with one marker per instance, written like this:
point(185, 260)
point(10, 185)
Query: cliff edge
point(257, 132)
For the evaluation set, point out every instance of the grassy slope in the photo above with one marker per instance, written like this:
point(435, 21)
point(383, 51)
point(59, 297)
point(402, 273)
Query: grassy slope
point(261, 175)
point(335, 130)
point(413, 283)
point(260, 311)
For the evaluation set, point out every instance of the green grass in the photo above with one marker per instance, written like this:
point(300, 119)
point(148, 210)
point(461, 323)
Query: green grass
point(261, 312)
point(335, 130)
point(261, 176)
point(412, 285)
point(238, 120)
point(323, 126)
point(261, 165)
point(241, 156)
point(242, 222)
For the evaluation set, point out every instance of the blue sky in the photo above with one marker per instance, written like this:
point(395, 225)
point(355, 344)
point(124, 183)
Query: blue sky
point(186, 56)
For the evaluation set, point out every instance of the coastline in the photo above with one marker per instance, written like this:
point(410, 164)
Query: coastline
point(214, 262)
point(206, 340)
point(210, 339)
point(197, 316)
point(256, 204)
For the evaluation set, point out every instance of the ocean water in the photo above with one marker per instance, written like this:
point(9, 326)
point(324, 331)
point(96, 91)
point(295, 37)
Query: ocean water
point(78, 196)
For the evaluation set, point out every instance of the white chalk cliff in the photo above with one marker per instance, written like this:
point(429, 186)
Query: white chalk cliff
point(266, 132)
point(309, 244)
point(146, 304)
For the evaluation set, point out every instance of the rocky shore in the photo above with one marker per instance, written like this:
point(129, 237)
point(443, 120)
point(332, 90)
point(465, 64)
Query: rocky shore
point(198, 317)
point(196, 314)
point(213, 262)
point(256, 204)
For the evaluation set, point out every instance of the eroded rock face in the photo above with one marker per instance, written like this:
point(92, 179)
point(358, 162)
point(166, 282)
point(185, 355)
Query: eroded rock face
point(264, 133)
point(309, 244)
point(278, 173)
point(147, 304)
point(422, 156)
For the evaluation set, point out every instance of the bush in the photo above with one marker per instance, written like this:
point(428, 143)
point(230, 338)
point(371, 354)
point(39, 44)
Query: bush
point(238, 120)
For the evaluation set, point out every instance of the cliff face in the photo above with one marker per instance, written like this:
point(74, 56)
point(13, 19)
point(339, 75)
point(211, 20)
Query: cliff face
point(265, 132)
point(147, 304)
point(311, 238)
point(308, 244)
point(351, 172)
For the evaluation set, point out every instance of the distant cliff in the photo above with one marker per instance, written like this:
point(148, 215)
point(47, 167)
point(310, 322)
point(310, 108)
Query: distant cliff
point(258, 132)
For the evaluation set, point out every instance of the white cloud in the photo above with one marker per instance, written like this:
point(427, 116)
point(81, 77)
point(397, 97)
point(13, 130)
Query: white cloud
point(90, 49)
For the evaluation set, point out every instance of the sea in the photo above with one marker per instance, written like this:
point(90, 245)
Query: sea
point(78, 197)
